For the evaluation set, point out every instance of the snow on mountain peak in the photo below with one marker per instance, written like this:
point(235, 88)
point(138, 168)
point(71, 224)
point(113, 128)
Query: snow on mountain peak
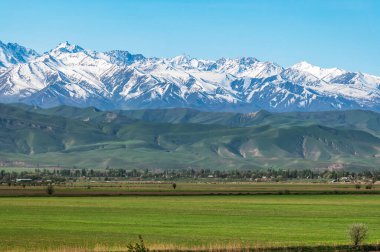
point(303, 64)
point(117, 79)
point(66, 47)
point(180, 59)
point(322, 73)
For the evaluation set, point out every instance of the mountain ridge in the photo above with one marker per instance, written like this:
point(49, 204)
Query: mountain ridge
point(72, 75)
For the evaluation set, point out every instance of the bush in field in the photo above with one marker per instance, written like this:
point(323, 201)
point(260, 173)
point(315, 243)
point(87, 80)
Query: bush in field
point(357, 186)
point(357, 233)
point(286, 191)
point(174, 185)
point(50, 189)
point(138, 246)
point(368, 186)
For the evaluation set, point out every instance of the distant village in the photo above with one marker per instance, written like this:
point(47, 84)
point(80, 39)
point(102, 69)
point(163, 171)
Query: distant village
point(55, 175)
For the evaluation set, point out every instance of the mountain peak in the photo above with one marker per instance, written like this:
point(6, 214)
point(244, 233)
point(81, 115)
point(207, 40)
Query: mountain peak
point(247, 60)
point(181, 59)
point(302, 65)
point(13, 53)
point(64, 44)
point(123, 57)
point(16, 47)
point(66, 47)
point(317, 71)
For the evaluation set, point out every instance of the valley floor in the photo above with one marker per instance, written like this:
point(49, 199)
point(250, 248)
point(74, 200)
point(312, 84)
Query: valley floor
point(207, 187)
point(177, 222)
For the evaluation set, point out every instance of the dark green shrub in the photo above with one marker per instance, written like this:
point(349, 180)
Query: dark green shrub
point(50, 190)
point(368, 186)
point(286, 191)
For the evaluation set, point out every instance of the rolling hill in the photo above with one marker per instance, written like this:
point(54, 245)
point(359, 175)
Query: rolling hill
point(185, 139)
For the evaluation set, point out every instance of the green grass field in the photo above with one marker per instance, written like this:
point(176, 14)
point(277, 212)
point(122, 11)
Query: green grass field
point(36, 223)
point(101, 188)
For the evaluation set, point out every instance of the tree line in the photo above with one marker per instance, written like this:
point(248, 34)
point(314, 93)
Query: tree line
point(61, 175)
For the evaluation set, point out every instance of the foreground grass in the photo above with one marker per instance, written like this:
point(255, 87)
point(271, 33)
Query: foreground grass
point(184, 222)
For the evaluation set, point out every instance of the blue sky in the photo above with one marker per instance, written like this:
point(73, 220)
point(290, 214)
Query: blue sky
point(342, 33)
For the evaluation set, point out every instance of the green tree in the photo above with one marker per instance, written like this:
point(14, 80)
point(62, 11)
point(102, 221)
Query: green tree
point(357, 233)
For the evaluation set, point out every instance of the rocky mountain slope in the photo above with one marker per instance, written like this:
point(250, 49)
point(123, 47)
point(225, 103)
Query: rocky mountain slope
point(72, 75)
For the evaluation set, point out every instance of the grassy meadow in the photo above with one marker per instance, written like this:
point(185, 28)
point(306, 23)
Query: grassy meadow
point(114, 188)
point(38, 223)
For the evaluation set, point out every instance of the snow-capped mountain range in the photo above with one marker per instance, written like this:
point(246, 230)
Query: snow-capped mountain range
point(72, 75)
